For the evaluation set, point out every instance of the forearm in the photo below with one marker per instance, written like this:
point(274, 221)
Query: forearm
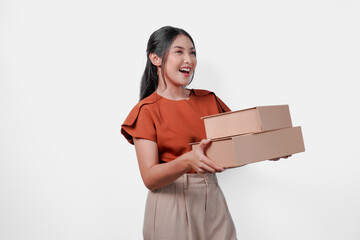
point(156, 175)
point(162, 174)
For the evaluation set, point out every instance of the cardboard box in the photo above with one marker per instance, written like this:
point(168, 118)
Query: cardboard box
point(249, 148)
point(251, 120)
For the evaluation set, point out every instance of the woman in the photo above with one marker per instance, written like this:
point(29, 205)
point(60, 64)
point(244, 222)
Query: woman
point(184, 200)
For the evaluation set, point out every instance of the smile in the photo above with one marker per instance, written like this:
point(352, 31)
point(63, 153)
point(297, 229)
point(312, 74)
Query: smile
point(185, 70)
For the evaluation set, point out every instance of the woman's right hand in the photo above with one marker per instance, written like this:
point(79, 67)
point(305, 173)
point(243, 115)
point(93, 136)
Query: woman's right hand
point(199, 162)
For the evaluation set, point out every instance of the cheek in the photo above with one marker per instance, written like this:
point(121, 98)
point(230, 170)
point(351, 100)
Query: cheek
point(169, 65)
point(195, 63)
point(172, 63)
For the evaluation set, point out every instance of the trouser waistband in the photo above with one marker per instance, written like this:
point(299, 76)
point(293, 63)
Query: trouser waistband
point(196, 178)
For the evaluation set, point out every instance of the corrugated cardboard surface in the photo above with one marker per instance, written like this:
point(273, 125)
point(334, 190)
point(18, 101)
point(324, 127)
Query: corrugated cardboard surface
point(267, 145)
point(244, 149)
point(251, 120)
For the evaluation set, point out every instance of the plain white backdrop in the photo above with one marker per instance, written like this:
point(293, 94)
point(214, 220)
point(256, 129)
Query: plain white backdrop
point(70, 74)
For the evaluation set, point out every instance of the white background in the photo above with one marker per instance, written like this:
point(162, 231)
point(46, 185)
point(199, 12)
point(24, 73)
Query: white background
point(70, 73)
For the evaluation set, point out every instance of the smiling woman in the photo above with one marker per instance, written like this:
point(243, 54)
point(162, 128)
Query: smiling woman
point(184, 200)
point(179, 67)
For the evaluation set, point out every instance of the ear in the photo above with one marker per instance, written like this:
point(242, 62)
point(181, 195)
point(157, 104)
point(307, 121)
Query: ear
point(155, 59)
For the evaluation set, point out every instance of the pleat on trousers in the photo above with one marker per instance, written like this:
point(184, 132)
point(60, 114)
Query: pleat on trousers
point(191, 208)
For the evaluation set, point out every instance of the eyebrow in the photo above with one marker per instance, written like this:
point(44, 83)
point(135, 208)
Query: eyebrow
point(183, 48)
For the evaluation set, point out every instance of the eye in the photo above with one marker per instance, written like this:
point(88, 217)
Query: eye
point(179, 51)
point(193, 53)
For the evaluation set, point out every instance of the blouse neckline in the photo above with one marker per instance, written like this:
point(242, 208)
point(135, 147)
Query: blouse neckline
point(180, 100)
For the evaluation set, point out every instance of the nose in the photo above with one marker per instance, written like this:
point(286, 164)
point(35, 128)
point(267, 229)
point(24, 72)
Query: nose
point(188, 59)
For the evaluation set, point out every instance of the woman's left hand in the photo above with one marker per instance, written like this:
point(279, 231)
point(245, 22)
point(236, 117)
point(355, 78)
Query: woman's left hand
point(276, 159)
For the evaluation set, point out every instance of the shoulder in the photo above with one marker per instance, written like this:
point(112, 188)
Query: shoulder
point(142, 106)
point(202, 92)
point(222, 107)
point(148, 101)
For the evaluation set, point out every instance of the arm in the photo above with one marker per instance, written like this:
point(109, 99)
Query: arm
point(156, 175)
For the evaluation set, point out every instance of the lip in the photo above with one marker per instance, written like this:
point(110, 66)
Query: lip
point(189, 68)
point(186, 74)
point(186, 68)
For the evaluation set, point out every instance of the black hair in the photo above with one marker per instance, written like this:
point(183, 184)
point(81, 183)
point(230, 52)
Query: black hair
point(159, 43)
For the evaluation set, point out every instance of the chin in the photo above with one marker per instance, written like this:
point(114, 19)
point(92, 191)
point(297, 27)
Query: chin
point(184, 84)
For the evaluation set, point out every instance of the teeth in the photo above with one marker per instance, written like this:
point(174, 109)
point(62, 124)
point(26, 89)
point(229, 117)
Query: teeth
point(185, 69)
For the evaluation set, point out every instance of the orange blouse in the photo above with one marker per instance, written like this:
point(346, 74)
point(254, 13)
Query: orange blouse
point(172, 124)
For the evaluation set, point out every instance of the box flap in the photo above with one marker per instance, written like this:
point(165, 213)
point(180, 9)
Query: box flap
point(213, 140)
point(245, 109)
point(218, 114)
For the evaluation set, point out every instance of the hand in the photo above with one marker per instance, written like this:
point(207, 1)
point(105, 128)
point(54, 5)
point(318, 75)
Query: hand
point(276, 159)
point(199, 162)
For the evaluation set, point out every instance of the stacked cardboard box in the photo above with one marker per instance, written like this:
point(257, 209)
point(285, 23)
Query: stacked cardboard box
point(252, 135)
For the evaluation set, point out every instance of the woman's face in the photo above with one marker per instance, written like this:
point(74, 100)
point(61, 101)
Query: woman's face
point(181, 62)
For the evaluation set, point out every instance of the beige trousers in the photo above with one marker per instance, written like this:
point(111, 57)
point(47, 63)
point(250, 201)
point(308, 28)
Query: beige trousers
point(191, 208)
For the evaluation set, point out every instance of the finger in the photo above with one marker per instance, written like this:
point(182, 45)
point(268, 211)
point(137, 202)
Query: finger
point(203, 171)
point(207, 168)
point(212, 164)
point(200, 170)
point(203, 143)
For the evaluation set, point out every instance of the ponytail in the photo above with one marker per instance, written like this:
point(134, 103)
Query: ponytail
point(149, 80)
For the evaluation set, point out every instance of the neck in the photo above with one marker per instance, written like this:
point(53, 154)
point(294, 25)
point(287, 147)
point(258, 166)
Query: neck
point(170, 91)
point(173, 93)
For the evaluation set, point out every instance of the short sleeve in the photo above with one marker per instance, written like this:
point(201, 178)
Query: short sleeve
point(222, 107)
point(139, 124)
